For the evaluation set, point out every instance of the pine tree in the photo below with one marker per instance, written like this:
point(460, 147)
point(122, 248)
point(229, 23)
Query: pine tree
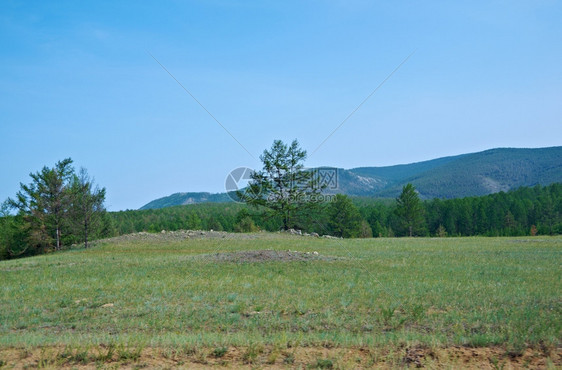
point(410, 211)
point(44, 204)
point(86, 205)
point(344, 218)
point(56, 208)
point(194, 222)
point(283, 186)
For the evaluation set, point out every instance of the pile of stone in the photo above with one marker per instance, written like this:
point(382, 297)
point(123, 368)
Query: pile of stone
point(299, 232)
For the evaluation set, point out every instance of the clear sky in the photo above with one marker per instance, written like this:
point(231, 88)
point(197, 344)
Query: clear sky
point(77, 80)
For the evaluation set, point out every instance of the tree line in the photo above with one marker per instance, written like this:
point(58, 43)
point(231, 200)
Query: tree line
point(525, 211)
point(284, 195)
point(283, 189)
point(59, 207)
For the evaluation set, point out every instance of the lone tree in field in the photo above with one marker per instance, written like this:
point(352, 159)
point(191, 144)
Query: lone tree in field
point(283, 186)
point(409, 210)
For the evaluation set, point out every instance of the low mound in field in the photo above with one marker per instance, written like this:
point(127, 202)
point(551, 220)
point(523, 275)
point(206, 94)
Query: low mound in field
point(270, 255)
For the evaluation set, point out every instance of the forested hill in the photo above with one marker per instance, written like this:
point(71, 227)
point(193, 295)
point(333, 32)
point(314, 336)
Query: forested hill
point(472, 174)
point(464, 175)
point(178, 199)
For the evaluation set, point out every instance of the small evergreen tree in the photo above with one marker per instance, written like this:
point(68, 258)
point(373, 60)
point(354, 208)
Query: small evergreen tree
point(244, 222)
point(409, 210)
point(194, 222)
point(344, 219)
point(366, 231)
point(13, 234)
point(441, 232)
point(283, 186)
point(87, 206)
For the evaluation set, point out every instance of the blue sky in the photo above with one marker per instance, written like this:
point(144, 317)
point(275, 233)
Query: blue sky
point(77, 81)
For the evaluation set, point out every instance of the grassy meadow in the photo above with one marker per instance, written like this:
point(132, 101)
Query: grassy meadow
point(134, 294)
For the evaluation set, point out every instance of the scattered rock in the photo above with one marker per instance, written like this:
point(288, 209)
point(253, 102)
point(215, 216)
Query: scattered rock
point(167, 235)
point(415, 356)
point(178, 235)
point(269, 255)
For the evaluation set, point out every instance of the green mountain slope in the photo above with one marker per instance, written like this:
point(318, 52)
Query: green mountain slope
point(463, 175)
point(485, 172)
point(403, 171)
point(178, 199)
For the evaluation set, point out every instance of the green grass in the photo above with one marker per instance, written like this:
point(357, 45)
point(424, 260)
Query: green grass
point(384, 292)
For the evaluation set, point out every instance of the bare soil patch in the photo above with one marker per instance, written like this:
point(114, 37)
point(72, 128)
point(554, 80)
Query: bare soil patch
point(278, 358)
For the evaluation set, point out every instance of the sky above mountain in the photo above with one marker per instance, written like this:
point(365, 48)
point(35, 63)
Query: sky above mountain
point(86, 79)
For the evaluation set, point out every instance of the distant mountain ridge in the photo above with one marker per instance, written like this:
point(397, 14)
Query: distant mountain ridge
point(473, 174)
point(180, 199)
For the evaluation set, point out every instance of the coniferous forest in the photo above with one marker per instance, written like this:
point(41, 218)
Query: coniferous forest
point(524, 211)
point(61, 208)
